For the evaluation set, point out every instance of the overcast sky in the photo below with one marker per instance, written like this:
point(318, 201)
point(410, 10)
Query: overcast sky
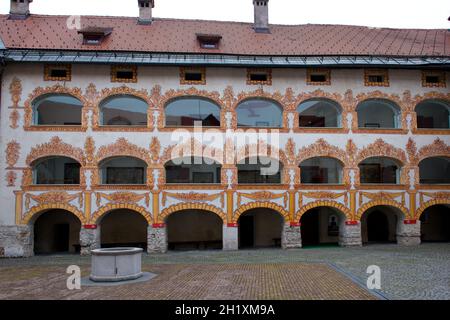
point(380, 13)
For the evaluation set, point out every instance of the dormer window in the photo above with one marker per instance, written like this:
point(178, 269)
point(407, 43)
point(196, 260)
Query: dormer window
point(209, 41)
point(94, 35)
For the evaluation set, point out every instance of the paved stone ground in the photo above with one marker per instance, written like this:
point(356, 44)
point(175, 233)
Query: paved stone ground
point(407, 273)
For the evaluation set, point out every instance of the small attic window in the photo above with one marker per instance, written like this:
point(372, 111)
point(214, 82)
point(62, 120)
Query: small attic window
point(259, 76)
point(433, 78)
point(376, 78)
point(209, 41)
point(192, 75)
point(318, 77)
point(94, 35)
point(57, 72)
point(124, 73)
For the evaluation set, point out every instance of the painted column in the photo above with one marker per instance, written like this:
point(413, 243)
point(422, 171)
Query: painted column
point(350, 234)
point(408, 232)
point(291, 237)
point(89, 238)
point(157, 238)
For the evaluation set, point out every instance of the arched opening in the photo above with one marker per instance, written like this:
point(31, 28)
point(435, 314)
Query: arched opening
point(56, 231)
point(193, 170)
point(57, 110)
point(319, 113)
point(378, 114)
point(259, 170)
point(260, 228)
point(123, 228)
point(185, 112)
point(434, 114)
point(379, 224)
point(123, 170)
point(435, 224)
point(259, 113)
point(321, 170)
point(194, 230)
point(321, 226)
point(123, 110)
point(56, 170)
point(435, 170)
point(379, 170)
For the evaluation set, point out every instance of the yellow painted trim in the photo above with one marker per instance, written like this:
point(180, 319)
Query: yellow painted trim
point(19, 206)
point(87, 204)
point(255, 205)
point(114, 206)
point(155, 206)
point(50, 206)
point(192, 206)
point(323, 203)
point(385, 202)
point(412, 204)
point(291, 205)
point(430, 203)
point(230, 206)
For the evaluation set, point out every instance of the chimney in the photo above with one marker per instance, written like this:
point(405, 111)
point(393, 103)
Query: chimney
point(20, 9)
point(261, 24)
point(145, 11)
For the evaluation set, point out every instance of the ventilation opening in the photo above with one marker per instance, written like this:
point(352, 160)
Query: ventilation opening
point(193, 76)
point(126, 75)
point(260, 77)
point(58, 73)
point(318, 78)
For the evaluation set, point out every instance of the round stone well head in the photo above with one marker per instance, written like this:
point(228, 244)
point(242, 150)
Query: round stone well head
point(116, 264)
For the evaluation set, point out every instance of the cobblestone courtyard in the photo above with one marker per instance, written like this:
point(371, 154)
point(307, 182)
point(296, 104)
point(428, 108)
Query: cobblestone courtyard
point(317, 273)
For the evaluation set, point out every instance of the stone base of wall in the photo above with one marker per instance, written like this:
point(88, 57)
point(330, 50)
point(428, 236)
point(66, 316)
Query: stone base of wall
point(291, 237)
point(89, 240)
point(230, 238)
point(350, 235)
point(408, 234)
point(156, 240)
point(16, 241)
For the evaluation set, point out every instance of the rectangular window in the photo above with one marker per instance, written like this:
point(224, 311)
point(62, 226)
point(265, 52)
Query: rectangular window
point(192, 76)
point(259, 77)
point(126, 74)
point(376, 78)
point(318, 77)
point(57, 72)
point(433, 78)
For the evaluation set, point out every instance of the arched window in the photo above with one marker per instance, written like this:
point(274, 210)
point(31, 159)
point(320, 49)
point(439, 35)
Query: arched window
point(259, 170)
point(184, 112)
point(123, 170)
point(378, 113)
point(433, 114)
point(379, 170)
point(123, 110)
point(57, 110)
point(259, 113)
point(319, 113)
point(321, 170)
point(435, 170)
point(56, 170)
point(192, 170)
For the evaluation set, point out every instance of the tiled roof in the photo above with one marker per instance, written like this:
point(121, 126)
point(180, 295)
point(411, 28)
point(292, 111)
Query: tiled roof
point(179, 36)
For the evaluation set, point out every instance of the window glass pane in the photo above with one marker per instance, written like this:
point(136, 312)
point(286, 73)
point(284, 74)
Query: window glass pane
point(435, 170)
point(184, 112)
point(378, 113)
point(259, 113)
point(193, 170)
point(57, 170)
point(321, 170)
point(433, 114)
point(123, 170)
point(319, 113)
point(57, 110)
point(250, 171)
point(379, 170)
point(124, 111)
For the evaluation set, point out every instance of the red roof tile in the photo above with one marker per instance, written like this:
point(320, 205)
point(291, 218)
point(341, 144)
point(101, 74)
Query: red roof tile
point(179, 36)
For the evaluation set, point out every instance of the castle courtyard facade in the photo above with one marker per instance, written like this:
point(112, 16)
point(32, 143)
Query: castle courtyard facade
point(174, 134)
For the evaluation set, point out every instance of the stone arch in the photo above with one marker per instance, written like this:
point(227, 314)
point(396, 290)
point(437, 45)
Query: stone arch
point(192, 206)
point(384, 202)
point(193, 147)
point(56, 89)
point(260, 204)
point(122, 147)
point(101, 212)
point(323, 203)
point(35, 211)
point(56, 147)
point(429, 204)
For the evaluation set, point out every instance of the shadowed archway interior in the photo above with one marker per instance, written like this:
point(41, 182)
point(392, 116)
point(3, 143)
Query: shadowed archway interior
point(435, 224)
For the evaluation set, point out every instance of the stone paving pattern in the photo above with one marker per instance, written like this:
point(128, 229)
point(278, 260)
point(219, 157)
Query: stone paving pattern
point(407, 273)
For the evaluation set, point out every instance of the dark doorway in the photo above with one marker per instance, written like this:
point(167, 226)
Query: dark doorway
point(310, 228)
point(61, 237)
point(246, 231)
point(435, 224)
point(377, 227)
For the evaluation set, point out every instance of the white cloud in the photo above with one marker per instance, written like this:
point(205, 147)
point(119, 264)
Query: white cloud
point(380, 13)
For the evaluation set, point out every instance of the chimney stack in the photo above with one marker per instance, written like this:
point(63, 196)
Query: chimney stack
point(145, 11)
point(19, 9)
point(261, 24)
